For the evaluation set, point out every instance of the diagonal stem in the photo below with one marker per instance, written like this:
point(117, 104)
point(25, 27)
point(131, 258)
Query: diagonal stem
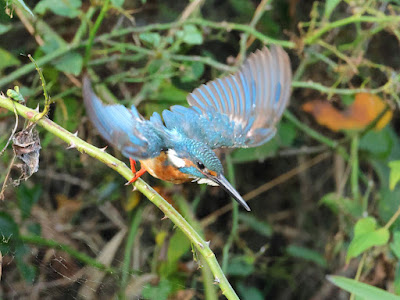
point(117, 165)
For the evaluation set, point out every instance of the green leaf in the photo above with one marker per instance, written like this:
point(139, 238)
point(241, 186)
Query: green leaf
point(363, 290)
point(158, 292)
point(67, 113)
point(168, 92)
point(156, 65)
point(118, 3)
point(9, 234)
point(192, 71)
point(27, 198)
point(69, 63)
point(307, 254)
point(8, 231)
point(260, 227)
point(190, 35)
point(7, 59)
point(388, 203)
point(364, 225)
point(4, 28)
point(377, 143)
point(179, 244)
point(394, 176)
point(65, 8)
point(257, 153)
point(366, 236)
point(330, 5)
point(340, 204)
point(287, 133)
point(240, 266)
point(177, 247)
point(285, 137)
point(151, 38)
point(27, 271)
point(395, 245)
point(15, 94)
point(249, 292)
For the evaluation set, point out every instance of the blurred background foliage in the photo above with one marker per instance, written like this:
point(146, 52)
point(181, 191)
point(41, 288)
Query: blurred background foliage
point(323, 192)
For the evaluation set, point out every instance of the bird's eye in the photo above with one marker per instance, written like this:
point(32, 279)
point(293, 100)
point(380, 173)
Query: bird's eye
point(200, 165)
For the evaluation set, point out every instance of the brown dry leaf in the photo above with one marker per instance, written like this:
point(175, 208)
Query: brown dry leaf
point(183, 295)
point(365, 108)
point(136, 284)
point(26, 146)
point(94, 277)
point(66, 208)
point(58, 261)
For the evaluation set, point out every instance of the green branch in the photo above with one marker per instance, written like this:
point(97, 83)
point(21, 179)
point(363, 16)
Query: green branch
point(41, 62)
point(311, 38)
point(328, 90)
point(117, 165)
point(227, 26)
point(93, 31)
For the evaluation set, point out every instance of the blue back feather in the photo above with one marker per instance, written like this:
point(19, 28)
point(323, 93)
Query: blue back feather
point(126, 129)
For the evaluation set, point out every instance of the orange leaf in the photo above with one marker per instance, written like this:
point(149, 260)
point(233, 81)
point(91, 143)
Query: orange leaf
point(365, 108)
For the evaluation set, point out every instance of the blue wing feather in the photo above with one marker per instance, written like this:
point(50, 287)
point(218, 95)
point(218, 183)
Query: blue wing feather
point(240, 110)
point(126, 129)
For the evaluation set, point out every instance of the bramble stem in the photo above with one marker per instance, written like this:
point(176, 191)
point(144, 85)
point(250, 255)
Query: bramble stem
point(117, 165)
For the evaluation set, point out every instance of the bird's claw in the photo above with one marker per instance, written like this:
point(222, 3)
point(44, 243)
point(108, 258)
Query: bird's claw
point(136, 175)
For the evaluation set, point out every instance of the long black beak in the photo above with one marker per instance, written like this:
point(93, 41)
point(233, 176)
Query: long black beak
point(224, 183)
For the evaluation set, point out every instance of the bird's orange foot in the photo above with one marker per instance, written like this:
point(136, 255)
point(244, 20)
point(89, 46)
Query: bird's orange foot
point(136, 175)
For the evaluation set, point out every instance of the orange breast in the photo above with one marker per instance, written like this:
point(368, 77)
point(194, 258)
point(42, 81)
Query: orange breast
point(161, 168)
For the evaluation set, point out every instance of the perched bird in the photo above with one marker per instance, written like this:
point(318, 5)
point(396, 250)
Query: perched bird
point(239, 110)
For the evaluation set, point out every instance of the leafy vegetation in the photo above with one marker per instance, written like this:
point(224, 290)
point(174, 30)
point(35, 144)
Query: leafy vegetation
point(324, 192)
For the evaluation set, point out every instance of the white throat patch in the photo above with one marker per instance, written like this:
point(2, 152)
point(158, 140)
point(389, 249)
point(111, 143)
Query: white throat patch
point(175, 159)
point(207, 181)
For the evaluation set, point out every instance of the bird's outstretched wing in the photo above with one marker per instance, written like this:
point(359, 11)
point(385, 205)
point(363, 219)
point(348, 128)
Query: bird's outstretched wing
point(240, 110)
point(126, 129)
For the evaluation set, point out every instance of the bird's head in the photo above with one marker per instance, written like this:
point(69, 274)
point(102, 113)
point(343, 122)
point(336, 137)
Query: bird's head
point(200, 162)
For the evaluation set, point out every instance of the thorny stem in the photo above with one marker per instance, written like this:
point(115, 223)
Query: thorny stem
point(117, 165)
point(47, 101)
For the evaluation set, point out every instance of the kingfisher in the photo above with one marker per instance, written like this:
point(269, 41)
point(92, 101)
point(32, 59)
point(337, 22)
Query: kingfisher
point(239, 110)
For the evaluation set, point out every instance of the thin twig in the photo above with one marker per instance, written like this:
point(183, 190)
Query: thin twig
point(3, 188)
point(12, 133)
point(47, 100)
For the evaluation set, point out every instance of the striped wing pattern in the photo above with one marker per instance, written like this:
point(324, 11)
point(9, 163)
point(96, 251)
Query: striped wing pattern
point(240, 110)
point(124, 128)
